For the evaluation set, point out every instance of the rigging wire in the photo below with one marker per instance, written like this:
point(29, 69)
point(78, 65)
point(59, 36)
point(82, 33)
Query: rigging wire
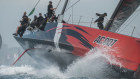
point(72, 15)
point(37, 3)
point(72, 5)
point(133, 31)
point(134, 16)
point(57, 5)
point(79, 21)
point(126, 22)
point(68, 3)
point(91, 22)
point(107, 20)
point(33, 8)
point(137, 32)
point(68, 18)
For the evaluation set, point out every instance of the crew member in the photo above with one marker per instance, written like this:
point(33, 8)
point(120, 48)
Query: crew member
point(40, 20)
point(50, 10)
point(24, 23)
point(34, 22)
point(100, 20)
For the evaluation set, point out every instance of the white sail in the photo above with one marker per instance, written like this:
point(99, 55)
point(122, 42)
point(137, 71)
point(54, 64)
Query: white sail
point(123, 11)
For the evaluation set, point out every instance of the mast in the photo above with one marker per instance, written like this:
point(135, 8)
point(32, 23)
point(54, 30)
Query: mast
point(64, 8)
point(109, 24)
point(60, 16)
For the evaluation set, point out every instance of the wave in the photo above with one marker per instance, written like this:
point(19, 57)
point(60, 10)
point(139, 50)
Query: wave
point(93, 65)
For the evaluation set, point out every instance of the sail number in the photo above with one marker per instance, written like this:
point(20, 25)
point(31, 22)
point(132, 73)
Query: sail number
point(107, 41)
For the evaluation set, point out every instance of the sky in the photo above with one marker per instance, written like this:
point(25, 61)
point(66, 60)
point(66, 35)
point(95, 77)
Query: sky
point(11, 12)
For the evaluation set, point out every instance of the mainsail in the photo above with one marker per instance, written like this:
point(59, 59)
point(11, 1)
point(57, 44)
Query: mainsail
point(122, 12)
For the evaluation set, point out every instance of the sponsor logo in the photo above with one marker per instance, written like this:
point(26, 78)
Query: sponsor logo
point(106, 41)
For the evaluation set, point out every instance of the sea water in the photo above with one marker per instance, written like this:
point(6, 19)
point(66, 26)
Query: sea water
point(91, 66)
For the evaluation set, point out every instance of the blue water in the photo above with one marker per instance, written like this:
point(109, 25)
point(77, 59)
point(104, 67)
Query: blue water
point(89, 67)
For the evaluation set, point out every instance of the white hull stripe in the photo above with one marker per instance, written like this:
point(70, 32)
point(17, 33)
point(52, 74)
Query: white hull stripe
point(57, 35)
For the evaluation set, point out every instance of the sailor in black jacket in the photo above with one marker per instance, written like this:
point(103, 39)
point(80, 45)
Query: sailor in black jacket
point(100, 20)
point(50, 10)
